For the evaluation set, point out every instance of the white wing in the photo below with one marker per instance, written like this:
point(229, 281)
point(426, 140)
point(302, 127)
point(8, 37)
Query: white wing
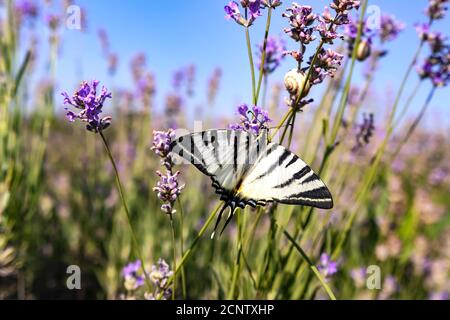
point(224, 155)
point(281, 176)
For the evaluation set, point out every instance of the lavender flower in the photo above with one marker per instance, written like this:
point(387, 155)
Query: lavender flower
point(252, 121)
point(365, 131)
point(168, 190)
point(274, 54)
point(436, 9)
point(326, 64)
point(390, 28)
point(435, 66)
point(162, 141)
point(326, 266)
point(131, 274)
point(26, 9)
point(159, 275)
point(232, 11)
point(86, 100)
point(301, 20)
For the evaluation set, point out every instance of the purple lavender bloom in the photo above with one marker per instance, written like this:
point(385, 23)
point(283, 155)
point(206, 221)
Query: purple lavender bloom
point(436, 9)
point(162, 141)
point(232, 12)
point(168, 190)
point(159, 275)
point(327, 32)
point(132, 268)
point(342, 9)
point(130, 273)
point(26, 9)
point(390, 28)
point(301, 19)
point(253, 120)
point(326, 64)
point(254, 11)
point(365, 132)
point(86, 100)
point(274, 54)
point(326, 266)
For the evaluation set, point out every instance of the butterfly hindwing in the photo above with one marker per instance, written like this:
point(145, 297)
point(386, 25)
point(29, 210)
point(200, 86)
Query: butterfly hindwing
point(281, 176)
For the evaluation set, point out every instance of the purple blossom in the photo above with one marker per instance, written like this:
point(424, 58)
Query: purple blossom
point(327, 32)
point(390, 28)
point(159, 275)
point(168, 190)
point(365, 132)
point(301, 20)
point(326, 64)
point(26, 9)
point(436, 9)
point(253, 120)
point(90, 106)
point(232, 12)
point(162, 141)
point(342, 9)
point(326, 266)
point(131, 274)
point(274, 54)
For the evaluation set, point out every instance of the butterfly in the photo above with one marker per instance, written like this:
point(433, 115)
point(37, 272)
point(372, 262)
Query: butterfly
point(248, 170)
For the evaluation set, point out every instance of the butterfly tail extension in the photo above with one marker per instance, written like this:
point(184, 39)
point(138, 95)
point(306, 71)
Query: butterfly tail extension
point(219, 218)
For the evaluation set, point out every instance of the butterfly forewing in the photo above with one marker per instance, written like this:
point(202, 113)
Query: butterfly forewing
point(224, 155)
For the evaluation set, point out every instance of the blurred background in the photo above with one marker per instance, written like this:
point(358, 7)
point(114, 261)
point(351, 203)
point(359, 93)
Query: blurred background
point(169, 64)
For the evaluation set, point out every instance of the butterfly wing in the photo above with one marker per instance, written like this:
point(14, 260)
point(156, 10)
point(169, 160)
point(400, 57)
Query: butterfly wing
point(223, 155)
point(281, 176)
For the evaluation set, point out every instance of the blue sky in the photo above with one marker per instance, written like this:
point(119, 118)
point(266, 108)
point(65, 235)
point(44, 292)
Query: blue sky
point(176, 33)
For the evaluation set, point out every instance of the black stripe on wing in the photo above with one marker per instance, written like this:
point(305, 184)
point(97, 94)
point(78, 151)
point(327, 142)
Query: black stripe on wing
point(319, 198)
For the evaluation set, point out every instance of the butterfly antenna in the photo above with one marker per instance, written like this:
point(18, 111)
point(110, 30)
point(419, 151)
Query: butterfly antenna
point(219, 217)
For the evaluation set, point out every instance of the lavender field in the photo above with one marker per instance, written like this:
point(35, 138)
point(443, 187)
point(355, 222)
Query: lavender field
point(94, 204)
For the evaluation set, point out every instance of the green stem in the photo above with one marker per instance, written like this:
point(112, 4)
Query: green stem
point(252, 66)
point(415, 123)
point(407, 104)
point(263, 55)
point(125, 206)
point(344, 97)
point(189, 251)
point(183, 273)
point(174, 256)
point(237, 264)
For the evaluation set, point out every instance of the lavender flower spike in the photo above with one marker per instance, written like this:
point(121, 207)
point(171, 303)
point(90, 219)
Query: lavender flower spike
point(252, 121)
point(90, 105)
point(168, 190)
